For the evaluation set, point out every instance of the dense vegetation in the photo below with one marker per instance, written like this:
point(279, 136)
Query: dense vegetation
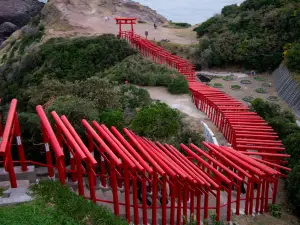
point(251, 35)
point(284, 123)
point(293, 58)
point(137, 70)
point(57, 204)
point(84, 78)
point(178, 24)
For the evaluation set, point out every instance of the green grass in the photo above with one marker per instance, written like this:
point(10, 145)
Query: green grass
point(55, 204)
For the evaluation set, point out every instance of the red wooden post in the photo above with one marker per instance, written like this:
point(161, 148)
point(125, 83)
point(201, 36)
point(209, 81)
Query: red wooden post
point(48, 153)
point(179, 205)
point(172, 214)
point(135, 199)
point(144, 200)
point(114, 187)
point(198, 218)
point(19, 143)
point(91, 177)
point(127, 192)
point(154, 197)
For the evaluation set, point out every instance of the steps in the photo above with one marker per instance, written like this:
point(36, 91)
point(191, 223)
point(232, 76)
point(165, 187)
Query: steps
point(15, 195)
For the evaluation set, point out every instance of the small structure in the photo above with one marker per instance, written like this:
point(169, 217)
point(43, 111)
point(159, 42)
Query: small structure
point(121, 21)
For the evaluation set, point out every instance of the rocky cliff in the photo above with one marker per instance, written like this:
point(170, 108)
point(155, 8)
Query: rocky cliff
point(15, 14)
point(76, 12)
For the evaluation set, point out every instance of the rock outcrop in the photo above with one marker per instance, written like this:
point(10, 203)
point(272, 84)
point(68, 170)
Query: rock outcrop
point(73, 10)
point(15, 14)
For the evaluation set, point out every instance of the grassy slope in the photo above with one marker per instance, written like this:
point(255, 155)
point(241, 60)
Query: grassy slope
point(55, 204)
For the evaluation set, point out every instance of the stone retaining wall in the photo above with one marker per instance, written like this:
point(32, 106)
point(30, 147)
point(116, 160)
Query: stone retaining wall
point(287, 88)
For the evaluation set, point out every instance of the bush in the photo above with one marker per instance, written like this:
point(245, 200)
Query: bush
point(30, 34)
point(293, 187)
point(292, 145)
point(81, 58)
point(133, 97)
point(275, 210)
point(63, 59)
point(264, 109)
point(31, 136)
point(293, 58)
point(140, 71)
point(112, 118)
point(75, 109)
point(180, 25)
point(100, 91)
point(178, 85)
point(284, 124)
point(156, 121)
point(250, 35)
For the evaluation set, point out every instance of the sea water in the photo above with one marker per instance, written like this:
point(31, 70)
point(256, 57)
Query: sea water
point(189, 11)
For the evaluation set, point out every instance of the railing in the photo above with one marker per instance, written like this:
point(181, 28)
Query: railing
point(245, 130)
point(179, 186)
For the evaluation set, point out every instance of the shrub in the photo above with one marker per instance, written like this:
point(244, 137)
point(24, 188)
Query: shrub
point(100, 91)
point(178, 85)
point(250, 35)
point(157, 121)
point(75, 109)
point(293, 58)
point(292, 145)
point(265, 109)
point(293, 187)
point(140, 71)
point(81, 58)
point(112, 118)
point(218, 85)
point(133, 97)
point(275, 210)
point(31, 135)
point(180, 25)
point(30, 34)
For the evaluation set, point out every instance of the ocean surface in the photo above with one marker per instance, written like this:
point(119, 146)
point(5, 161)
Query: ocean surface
point(189, 11)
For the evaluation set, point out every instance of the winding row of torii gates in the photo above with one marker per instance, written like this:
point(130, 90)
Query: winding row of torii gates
point(199, 180)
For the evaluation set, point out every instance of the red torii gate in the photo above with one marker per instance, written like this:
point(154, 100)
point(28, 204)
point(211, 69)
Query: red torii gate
point(121, 21)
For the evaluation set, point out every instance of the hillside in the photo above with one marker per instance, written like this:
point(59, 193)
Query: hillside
point(252, 35)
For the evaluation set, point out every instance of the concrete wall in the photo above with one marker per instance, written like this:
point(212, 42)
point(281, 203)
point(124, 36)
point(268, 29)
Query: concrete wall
point(287, 88)
point(209, 135)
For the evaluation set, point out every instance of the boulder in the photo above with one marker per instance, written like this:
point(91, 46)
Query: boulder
point(15, 14)
point(6, 29)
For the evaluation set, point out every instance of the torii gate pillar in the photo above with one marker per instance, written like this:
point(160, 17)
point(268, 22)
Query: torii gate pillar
point(122, 21)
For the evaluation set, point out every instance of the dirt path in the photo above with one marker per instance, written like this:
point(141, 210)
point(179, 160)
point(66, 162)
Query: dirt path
point(84, 24)
point(185, 105)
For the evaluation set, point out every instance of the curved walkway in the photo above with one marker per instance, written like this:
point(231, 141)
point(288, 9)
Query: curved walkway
point(245, 130)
